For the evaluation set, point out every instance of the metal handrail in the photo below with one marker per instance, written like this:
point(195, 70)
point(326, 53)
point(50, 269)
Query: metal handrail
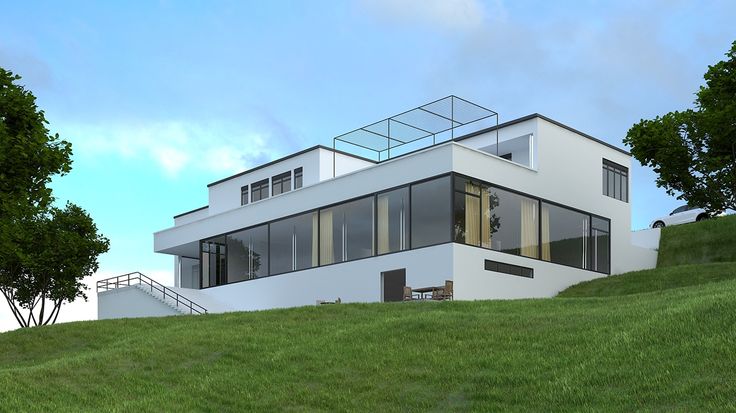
point(135, 278)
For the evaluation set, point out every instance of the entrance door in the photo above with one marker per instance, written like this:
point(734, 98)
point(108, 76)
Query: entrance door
point(392, 283)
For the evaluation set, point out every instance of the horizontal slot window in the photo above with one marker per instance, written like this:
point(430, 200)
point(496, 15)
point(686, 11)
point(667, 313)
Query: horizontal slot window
point(510, 269)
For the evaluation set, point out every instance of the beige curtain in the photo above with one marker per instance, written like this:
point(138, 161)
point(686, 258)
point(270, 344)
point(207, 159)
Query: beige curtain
point(486, 217)
point(472, 215)
point(326, 243)
point(545, 234)
point(529, 242)
point(383, 240)
point(315, 240)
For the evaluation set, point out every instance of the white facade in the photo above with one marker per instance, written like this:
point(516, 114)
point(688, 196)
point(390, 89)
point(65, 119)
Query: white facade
point(549, 161)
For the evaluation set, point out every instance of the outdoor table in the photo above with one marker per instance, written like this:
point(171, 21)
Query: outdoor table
point(425, 290)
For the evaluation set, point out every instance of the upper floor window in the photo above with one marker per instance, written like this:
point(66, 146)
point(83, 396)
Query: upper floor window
point(615, 181)
point(244, 195)
point(298, 173)
point(281, 183)
point(259, 190)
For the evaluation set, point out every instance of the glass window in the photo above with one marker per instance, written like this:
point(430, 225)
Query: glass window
point(565, 236)
point(294, 243)
point(298, 174)
point(247, 256)
point(393, 215)
point(468, 214)
point(346, 231)
point(214, 264)
point(513, 223)
point(431, 218)
point(281, 183)
point(244, 195)
point(615, 180)
point(259, 190)
point(600, 248)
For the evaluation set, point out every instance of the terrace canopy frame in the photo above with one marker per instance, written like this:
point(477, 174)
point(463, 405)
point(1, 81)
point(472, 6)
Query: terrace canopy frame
point(436, 119)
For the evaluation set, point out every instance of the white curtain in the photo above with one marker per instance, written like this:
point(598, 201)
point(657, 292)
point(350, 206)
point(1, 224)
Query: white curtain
point(326, 242)
point(383, 225)
point(529, 246)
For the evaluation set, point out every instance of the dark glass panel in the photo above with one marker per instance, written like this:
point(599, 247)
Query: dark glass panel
point(431, 218)
point(564, 236)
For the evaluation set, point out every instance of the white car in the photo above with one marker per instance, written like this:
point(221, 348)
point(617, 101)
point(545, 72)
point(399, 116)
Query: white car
point(681, 215)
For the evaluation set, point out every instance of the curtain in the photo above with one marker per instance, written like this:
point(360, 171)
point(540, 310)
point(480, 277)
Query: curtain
point(486, 217)
point(472, 214)
point(383, 225)
point(315, 238)
point(529, 242)
point(326, 242)
point(546, 254)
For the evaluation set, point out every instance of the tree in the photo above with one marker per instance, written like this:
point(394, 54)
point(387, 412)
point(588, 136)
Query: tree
point(44, 251)
point(694, 151)
point(60, 249)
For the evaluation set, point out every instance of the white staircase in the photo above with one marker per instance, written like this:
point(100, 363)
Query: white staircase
point(166, 295)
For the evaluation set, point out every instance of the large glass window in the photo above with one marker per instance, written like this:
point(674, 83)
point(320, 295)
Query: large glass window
point(247, 256)
point(214, 264)
point(294, 243)
point(467, 223)
point(565, 236)
point(393, 216)
point(259, 190)
point(346, 231)
point(431, 218)
point(513, 223)
point(615, 180)
point(281, 183)
point(601, 245)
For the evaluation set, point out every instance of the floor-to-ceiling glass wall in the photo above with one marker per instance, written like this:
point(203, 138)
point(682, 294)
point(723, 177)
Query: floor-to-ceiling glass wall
point(565, 234)
point(247, 254)
point(346, 231)
point(431, 214)
point(392, 214)
point(293, 243)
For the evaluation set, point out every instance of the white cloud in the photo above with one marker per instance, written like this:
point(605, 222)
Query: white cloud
point(447, 14)
point(176, 145)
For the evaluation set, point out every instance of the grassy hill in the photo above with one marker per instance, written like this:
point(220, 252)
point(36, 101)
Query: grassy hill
point(664, 344)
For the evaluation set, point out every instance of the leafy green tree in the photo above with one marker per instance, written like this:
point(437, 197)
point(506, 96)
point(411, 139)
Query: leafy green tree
point(694, 151)
point(45, 252)
point(59, 249)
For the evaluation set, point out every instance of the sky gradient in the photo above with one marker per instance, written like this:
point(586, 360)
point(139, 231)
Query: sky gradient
point(161, 98)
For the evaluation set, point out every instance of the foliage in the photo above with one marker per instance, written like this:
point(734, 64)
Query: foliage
point(60, 249)
point(45, 251)
point(694, 151)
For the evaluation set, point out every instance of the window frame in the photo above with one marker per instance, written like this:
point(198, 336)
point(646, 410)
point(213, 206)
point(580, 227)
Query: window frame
point(244, 195)
point(298, 177)
point(281, 181)
point(618, 175)
point(259, 187)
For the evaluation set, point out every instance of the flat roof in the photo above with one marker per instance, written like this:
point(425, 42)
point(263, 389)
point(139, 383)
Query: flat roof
point(550, 120)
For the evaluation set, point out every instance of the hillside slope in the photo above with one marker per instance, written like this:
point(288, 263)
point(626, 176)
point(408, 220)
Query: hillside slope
point(713, 240)
point(672, 350)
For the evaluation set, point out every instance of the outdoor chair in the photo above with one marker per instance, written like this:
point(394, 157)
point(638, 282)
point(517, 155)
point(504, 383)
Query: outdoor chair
point(409, 295)
point(447, 291)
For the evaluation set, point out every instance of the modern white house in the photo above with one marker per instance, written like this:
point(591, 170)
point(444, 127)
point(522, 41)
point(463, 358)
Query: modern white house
point(441, 192)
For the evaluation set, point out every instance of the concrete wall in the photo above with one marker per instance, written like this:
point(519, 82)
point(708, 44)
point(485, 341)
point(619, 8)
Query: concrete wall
point(355, 281)
point(226, 195)
point(130, 302)
point(474, 282)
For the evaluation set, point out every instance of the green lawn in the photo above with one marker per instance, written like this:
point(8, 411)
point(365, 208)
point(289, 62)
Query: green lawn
point(713, 240)
point(667, 351)
point(653, 280)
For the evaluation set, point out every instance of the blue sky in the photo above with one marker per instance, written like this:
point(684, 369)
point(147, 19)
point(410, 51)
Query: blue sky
point(161, 98)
